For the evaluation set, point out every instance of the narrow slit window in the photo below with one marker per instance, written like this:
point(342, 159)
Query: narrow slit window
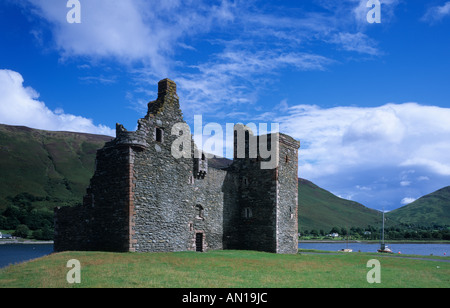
point(159, 135)
point(247, 213)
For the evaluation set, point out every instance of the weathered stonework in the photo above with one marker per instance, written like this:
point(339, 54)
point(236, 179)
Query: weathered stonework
point(141, 198)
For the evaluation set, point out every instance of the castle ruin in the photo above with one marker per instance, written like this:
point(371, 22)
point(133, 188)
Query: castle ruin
point(141, 198)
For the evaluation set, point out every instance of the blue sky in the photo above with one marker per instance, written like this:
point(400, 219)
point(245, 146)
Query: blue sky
point(369, 102)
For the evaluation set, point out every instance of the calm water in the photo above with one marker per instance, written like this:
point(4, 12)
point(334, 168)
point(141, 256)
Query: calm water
point(11, 254)
point(412, 249)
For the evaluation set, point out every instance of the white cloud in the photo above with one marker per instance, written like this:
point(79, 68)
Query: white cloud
point(358, 42)
point(407, 200)
point(248, 46)
point(437, 13)
point(340, 139)
point(373, 154)
point(235, 77)
point(130, 31)
point(19, 105)
point(359, 187)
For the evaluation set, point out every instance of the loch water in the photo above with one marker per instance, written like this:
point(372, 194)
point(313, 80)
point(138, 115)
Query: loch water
point(425, 249)
point(17, 253)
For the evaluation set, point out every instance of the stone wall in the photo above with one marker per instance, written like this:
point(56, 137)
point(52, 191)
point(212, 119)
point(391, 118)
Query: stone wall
point(141, 198)
point(102, 222)
point(287, 196)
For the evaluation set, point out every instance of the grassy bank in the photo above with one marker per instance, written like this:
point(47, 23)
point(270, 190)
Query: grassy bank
point(224, 269)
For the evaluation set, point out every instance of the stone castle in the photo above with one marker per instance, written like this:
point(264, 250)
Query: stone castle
point(141, 198)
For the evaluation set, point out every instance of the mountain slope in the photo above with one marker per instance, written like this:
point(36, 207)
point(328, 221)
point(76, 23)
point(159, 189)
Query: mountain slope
point(431, 209)
point(320, 209)
point(52, 165)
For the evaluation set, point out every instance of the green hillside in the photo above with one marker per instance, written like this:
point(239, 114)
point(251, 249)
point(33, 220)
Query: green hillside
point(432, 209)
point(53, 166)
point(320, 209)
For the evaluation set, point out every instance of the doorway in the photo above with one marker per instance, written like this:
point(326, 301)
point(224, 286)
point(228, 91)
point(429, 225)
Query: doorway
point(199, 242)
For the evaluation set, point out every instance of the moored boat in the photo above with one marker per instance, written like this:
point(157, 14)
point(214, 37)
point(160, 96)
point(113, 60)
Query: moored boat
point(384, 248)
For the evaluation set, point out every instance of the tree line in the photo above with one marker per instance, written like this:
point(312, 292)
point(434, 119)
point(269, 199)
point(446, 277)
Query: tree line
point(26, 220)
point(398, 232)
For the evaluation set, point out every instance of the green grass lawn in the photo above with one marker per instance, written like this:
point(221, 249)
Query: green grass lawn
point(224, 269)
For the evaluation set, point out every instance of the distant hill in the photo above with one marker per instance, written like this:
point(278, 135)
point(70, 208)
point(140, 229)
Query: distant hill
point(431, 209)
point(56, 166)
point(320, 209)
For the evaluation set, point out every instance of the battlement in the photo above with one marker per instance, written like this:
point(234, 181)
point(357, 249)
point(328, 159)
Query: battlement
point(126, 138)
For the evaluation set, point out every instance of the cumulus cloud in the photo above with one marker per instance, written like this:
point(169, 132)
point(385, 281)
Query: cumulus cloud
point(391, 135)
point(20, 105)
point(130, 31)
point(391, 149)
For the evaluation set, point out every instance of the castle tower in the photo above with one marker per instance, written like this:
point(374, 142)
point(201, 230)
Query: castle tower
point(265, 214)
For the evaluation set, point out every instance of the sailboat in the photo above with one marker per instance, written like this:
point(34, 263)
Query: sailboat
point(347, 249)
point(384, 248)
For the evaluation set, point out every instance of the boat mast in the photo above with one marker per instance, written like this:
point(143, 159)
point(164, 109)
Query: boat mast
point(382, 238)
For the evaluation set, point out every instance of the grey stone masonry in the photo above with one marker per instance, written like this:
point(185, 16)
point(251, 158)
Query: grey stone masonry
point(142, 198)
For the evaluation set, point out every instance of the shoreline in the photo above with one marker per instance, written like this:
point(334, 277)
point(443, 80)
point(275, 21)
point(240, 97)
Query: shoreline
point(24, 242)
point(373, 242)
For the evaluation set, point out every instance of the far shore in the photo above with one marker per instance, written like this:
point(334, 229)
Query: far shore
point(374, 241)
point(24, 242)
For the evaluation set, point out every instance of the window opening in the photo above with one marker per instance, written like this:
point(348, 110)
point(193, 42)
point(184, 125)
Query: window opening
point(159, 135)
point(199, 210)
